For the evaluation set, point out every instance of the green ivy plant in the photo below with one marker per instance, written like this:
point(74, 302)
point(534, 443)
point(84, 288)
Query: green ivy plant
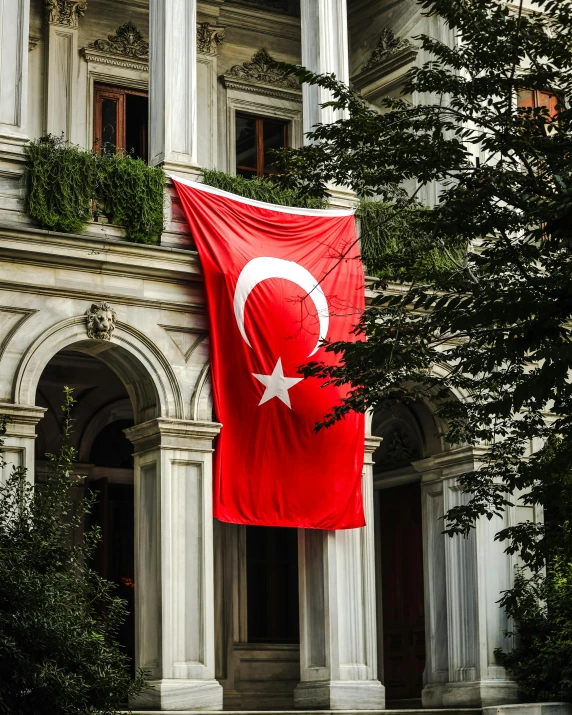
point(64, 181)
point(261, 190)
point(396, 242)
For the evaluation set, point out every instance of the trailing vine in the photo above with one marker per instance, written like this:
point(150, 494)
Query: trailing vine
point(261, 190)
point(65, 182)
point(396, 245)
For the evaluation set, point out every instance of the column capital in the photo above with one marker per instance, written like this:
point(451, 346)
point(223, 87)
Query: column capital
point(449, 464)
point(65, 12)
point(167, 433)
point(23, 418)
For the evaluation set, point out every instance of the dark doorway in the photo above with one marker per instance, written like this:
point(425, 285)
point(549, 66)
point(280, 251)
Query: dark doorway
point(402, 592)
point(272, 584)
point(104, 456)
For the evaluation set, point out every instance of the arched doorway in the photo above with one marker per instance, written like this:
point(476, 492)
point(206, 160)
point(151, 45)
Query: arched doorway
point(408, 435)
point(105, 457)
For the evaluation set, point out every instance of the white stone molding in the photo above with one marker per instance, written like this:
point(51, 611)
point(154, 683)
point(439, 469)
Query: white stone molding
point(260, 20)
point(147, 375)
point(463, 578)
point(174, 564)
point(126, 42)
point(259, 71)
point(11, 320)
point(386, 68)
point(254, 99)
point(14, 33)
point(18, 448)
point(173, 85)
point(338, 640)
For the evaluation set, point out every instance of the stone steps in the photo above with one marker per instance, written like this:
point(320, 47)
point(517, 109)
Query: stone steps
point(400, 711)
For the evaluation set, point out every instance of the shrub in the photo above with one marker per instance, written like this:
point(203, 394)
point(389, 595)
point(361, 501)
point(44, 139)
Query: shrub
point(58, 618)
point(64, 181)
point(261, 190)
point(541, 607)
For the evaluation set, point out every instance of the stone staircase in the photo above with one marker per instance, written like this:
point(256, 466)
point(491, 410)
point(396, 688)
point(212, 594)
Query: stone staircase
point(518, 709)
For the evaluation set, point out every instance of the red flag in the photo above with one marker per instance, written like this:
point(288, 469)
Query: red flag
point(278, 280)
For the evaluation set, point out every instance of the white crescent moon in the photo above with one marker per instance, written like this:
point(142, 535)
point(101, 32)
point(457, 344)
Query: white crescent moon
point(262, 268)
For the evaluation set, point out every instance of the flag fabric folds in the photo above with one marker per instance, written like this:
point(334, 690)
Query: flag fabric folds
point(278, 280)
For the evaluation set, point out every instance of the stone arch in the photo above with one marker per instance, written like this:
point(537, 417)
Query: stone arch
point(201, 402)
point(120, 409)
point(148, 378)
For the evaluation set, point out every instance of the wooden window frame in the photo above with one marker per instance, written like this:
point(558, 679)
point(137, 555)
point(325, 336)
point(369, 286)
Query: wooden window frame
point(259, 142)
point(118, 94)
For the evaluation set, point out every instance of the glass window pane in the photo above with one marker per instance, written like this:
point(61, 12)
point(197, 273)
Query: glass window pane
point(273, 139)
point(136, 111)
point(247, 173)
point(246, 141)
point(109, 125)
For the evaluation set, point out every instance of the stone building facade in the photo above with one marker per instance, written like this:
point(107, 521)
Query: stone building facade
point(222, 613)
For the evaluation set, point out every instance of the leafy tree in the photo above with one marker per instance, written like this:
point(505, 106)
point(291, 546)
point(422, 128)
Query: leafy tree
point(58, 617)
point(498, 317)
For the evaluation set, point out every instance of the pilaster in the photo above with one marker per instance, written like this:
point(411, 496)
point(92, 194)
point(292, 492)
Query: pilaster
point(14, 31)
point(62, 67)
point(20, 438)
point(174, 588)
point(338, 658)
point(464, 579)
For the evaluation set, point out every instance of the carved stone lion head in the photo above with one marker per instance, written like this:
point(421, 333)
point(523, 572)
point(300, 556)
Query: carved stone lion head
point(101, 320)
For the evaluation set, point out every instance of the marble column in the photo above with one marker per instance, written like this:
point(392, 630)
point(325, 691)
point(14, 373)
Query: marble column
point(464, 578)
point(20, 438)
point(14, 31)
point(174, 591)
point(62, 68)
point(325, 50)
point(338, 644)
point(173, 85)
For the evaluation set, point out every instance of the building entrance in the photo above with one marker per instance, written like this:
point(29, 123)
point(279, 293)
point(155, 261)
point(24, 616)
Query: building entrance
point(402, 592)
point(102, 412)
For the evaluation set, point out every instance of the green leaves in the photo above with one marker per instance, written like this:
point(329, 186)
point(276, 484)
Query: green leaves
point(58, 618)
point(65, 183)
point(474, 304)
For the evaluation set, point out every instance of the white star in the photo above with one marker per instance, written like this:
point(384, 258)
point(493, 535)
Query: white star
point(277, 385)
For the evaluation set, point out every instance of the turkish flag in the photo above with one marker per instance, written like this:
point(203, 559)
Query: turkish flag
point(278, 280)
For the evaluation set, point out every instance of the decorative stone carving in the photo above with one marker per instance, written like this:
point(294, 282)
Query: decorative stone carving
point(259, 70)
point(400, 447)
point(209, 37)
point(65, 12)
point(127, 41)
point(387, 45)
point(101, 321)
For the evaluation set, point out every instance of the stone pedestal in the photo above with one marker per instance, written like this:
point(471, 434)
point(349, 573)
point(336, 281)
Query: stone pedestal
point(174, 597)
point(14, 31)
point(464, 578)
point(338, 658)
